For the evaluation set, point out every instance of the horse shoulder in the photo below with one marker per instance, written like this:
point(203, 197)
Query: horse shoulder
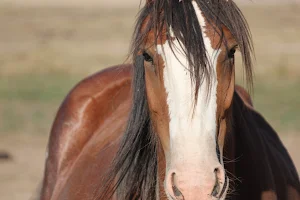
point(91, 118)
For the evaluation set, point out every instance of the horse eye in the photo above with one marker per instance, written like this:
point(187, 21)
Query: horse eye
point(147, 57)
point(231, 53)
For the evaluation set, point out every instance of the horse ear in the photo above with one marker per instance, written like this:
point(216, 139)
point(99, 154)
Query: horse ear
point(149, 1)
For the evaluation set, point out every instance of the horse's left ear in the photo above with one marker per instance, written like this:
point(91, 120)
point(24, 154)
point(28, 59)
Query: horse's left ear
point(151, 1)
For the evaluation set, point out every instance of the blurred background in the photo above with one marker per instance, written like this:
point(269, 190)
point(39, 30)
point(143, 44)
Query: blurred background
point(48, 46)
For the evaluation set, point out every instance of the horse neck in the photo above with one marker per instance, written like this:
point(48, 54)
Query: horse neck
point(251, 161)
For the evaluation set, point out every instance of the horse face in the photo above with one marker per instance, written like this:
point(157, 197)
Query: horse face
point(192, 133)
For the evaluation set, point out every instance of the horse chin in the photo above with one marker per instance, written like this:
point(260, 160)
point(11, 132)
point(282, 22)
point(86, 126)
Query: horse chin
point(196, 195)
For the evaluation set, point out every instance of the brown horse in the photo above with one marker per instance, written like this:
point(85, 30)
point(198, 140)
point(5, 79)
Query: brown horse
point(173, 125)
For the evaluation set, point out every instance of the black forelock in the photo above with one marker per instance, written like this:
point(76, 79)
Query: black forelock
point(182, 18)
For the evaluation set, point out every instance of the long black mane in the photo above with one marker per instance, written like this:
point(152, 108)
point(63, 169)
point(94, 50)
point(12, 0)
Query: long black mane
point(134, 172)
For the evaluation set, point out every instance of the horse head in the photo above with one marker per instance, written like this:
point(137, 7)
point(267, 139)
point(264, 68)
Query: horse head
point(188, 53)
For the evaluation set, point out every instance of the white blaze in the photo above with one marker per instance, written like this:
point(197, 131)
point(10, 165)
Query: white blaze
point(192, 135)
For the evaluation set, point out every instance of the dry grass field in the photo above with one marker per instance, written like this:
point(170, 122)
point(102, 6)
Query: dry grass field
point(46, 48)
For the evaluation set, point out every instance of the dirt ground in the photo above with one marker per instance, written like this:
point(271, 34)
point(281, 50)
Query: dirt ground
point(116, 3)
point(20, 177)
point(67, 33)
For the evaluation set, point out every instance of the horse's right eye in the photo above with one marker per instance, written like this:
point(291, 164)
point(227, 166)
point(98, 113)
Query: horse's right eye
point(147, 57)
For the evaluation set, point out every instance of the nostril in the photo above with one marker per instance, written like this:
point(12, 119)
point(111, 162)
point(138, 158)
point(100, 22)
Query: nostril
point(216, 171)
point(217, 187)
point(173, 191)
point(176, 191)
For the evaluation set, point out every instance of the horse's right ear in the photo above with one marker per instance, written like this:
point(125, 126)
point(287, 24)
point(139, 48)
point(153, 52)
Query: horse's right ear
point(149, 1)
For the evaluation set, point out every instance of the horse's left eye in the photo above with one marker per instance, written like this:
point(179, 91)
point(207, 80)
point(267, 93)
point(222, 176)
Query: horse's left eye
point(231, 53)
